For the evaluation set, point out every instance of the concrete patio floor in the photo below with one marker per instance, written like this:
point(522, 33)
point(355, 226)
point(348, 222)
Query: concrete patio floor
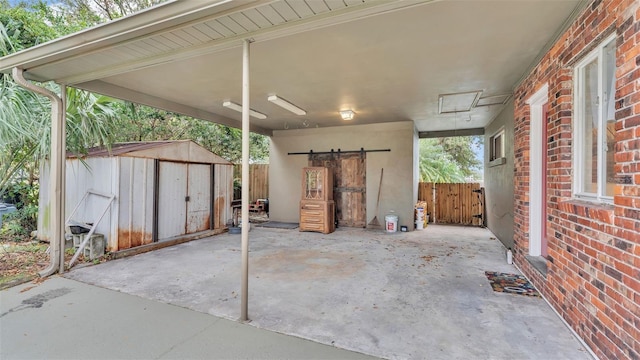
point(414, 295)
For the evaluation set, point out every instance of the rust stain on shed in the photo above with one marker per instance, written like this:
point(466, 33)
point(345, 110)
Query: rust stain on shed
point(128, 239)
point(219, 205)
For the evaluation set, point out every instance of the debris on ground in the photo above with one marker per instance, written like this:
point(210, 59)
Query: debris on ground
point(20, 261)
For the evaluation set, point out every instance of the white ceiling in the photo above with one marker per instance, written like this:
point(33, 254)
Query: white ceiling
point(388, 61)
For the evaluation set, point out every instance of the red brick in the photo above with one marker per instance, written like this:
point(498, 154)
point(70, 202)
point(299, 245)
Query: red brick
point(605, 239)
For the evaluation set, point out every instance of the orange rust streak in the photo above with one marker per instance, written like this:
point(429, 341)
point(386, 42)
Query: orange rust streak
point(128, 239)
point(219, 207)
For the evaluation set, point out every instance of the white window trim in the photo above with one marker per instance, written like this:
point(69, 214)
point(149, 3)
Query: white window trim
point(578, 125)
point(536, 178)
point(492, 138)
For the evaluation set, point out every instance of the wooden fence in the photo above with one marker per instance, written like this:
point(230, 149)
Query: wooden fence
point(461, 204)
point(258, 181)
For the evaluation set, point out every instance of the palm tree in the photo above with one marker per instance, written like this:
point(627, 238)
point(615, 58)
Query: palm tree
point(436, 165)
point(25, 124)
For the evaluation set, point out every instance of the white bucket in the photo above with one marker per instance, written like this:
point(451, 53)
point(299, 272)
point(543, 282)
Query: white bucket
point(420, 214)
point(419, 224)
point(391, 223)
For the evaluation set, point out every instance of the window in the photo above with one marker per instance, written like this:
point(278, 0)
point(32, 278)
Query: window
point(594, 123)
point(496, 146)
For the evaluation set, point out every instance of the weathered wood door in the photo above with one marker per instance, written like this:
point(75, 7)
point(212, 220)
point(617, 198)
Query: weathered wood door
point(350, 185)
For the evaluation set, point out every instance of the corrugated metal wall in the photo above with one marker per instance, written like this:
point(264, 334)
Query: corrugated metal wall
point(172, 210)
point(132, 181)
point(97, 174)
point(223, 195)
point(135, 202)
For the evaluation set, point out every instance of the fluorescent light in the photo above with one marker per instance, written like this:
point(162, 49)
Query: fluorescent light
point(238, 108)
point(347, 114)
point(286, 105)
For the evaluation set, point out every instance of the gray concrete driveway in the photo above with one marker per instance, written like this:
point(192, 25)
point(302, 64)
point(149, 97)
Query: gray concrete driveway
point(413, 295)
point(67, 319)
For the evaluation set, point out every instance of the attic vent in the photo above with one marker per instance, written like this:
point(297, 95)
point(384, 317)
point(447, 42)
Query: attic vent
point(493, 100)
point(458, 102)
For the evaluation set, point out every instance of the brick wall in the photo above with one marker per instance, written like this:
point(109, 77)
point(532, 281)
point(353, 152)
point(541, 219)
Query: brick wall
point(593, 277)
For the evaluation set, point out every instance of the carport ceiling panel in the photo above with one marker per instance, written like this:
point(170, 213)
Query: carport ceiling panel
point(493, 100)
point(459, 102)
point(191, 39)
point(348, 65)
point(376, 69)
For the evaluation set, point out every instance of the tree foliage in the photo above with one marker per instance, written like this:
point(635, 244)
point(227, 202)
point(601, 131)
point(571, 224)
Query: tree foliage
point(450, 160)
point(106, 9)
point(91, 119)
point(142, 123)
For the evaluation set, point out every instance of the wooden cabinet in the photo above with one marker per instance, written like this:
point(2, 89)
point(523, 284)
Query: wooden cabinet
point(317, 209)
point(317, 183)
point(317, 216)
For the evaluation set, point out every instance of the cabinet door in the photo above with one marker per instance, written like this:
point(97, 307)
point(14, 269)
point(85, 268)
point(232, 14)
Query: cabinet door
point(314, 185)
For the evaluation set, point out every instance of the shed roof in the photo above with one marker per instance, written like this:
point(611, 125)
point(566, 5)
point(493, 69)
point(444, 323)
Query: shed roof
point(172, 150)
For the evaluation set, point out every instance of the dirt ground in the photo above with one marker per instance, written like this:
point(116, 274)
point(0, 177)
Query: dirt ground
point(20, 261)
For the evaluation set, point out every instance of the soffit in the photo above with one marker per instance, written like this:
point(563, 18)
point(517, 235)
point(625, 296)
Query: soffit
point(388, 61)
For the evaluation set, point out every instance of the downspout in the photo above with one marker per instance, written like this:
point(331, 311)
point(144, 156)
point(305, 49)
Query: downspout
point(57, 172)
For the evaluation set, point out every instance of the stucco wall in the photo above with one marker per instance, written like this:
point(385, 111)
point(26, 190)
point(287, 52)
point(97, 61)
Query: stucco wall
point(399, 191)
point(498, 179)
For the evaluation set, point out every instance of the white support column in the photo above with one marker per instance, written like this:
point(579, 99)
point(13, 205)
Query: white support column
point(244, 290)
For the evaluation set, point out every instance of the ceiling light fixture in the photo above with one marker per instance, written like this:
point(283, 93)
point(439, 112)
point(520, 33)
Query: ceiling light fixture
point(286, 105)
point(347, 114)
point(238, 108)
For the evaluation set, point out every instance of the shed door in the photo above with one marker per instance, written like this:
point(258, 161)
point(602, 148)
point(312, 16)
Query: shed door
point(172, 212)
point(199, 198)
point(184, 199)
point(350, 189)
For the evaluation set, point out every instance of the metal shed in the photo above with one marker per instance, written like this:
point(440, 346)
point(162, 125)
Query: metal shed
point(164, 190)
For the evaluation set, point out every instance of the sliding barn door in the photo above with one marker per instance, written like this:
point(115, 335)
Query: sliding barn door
point(349, 192)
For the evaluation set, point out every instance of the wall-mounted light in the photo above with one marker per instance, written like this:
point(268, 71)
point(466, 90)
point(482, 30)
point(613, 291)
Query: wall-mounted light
point(286, 105)
point(347, 114)
point(233, 106)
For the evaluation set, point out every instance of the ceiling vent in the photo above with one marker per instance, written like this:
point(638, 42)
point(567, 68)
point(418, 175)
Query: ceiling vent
point(493, 100)
point(458, 102)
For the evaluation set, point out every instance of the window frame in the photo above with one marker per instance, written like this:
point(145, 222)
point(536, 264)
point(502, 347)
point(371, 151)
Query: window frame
point(578, 125)
point(494, 159)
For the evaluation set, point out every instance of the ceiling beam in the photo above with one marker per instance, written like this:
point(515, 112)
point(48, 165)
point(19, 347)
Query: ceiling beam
point(450, 133)
point(122, 93)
